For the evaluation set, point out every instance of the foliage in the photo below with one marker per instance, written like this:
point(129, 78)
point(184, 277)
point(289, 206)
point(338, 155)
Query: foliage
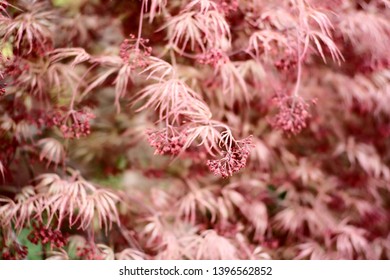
point(196, 129)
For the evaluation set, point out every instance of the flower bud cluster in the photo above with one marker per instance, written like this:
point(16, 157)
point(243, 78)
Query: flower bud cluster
point(76, 124)
point(228, 7)
point(16, 252)
point(135, 53)
point(233, 161)
point(212, 57)
point(88, 253)
point(166, 144)
point(293, 114)
point(47, 235)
